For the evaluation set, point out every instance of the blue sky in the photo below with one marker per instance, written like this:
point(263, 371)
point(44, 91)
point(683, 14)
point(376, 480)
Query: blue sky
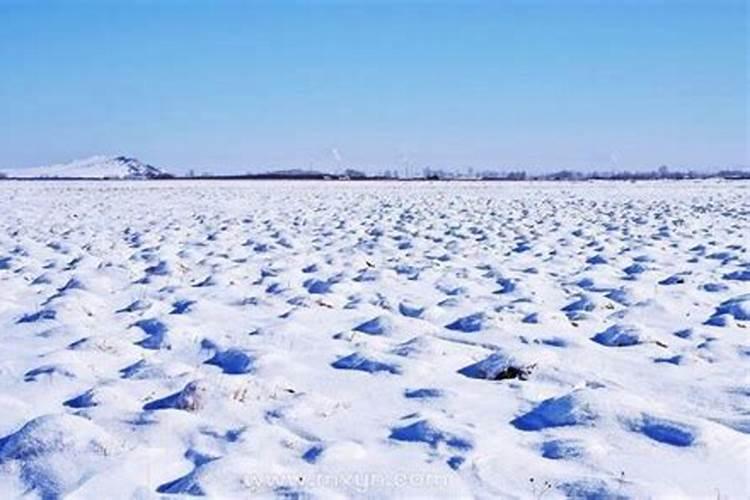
point(249, 86)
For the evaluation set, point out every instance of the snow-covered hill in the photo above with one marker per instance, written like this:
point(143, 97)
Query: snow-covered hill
point(96, 167)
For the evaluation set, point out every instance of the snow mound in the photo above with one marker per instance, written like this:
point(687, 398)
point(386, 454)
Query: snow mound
point(141, 370)
point(380, 325)
point(410, 310)
point(737, 307)
point(85, 400)
point(190, 398)
point(414, 347)
point(316, 286)
point(423, 393)
point(590, 489)
point(570, 409)
point(424, 431)
point(232, 362)
point(577, 309)
point(496, 366)
point(356, 361)
point(739, 275)
point(665, 431)
point(54, 454)
point(38, 316)
point(619, 336)
point(468, 324)
point(156, 332)
point(559, 449)
point(96, 167)
point(188, 484)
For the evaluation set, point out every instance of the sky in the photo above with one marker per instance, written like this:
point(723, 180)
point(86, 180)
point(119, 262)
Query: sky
point(231, 87)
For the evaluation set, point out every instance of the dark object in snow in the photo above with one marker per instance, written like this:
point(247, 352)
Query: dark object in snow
point(497, 366)
point(190, 398)
point(514, 372)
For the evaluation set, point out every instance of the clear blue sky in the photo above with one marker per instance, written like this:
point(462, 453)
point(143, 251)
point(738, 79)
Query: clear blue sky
point(241, 86)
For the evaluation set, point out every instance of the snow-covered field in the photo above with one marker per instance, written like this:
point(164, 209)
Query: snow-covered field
point(512, 340)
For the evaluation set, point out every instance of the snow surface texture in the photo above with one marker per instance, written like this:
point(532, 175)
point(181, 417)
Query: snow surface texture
point(96, 167)
point(336, 340)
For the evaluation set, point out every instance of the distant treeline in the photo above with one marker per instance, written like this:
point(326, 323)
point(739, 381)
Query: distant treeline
point(517, 175)
point(442, 175)
point(569, 175)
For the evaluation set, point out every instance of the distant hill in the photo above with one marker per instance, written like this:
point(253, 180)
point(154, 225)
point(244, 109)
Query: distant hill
point(96, 167)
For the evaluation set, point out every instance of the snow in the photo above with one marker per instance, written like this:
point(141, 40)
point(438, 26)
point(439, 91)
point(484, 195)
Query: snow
point(95, 167)
point(54, 453)
point(619, 335)
point(570, 409)
point(374, 339)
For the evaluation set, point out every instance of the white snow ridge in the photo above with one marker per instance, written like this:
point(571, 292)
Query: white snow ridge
point(95, 167)
point(281, 339)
